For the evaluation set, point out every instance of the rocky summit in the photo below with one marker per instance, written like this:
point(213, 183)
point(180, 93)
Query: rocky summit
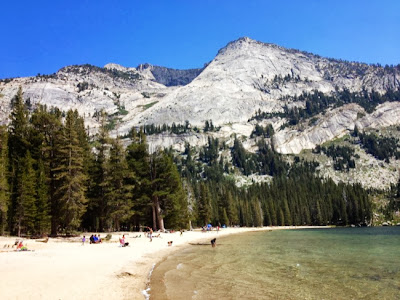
point(307, 99)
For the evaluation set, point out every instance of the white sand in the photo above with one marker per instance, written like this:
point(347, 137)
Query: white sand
point(66, 269)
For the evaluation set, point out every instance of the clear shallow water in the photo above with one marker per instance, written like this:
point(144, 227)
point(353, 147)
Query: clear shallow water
point(343, 263)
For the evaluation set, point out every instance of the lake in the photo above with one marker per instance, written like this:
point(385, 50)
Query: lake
point(333, 263)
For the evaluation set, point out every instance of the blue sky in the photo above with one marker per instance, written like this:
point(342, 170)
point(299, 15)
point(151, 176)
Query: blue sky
point(43, 36)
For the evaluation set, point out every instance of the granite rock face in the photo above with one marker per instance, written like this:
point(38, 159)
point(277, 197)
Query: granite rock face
point(244, 77)
point(241, 80)
point(170, 77)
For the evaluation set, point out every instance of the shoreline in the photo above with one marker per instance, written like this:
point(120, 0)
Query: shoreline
point(63, 268)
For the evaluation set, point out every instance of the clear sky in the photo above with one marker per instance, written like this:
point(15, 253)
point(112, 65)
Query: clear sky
point(44, 36)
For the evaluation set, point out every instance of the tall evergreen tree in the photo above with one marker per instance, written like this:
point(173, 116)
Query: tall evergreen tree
point(18, 145)
point(25, 212)
point(118, 187)
point(204, 205)
point(97, 205)
point(43, 218)
point(138, 159)
point(4, 189)
point(71, 177)
point(46, 138)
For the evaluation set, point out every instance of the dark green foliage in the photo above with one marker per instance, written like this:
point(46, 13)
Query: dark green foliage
point(294, 197)
point(42, 217)
point(82, 86)
point(25, 210)
point(318, 102)
point(264, 162)
point(117, 187)
point(394, 200)
point(113, 73)
point(174, 128)
point(138, 159)
point(53, 176)
point(267, 131)
point(70, 176)
point(209, 126)
point(381, 147)
point(203, 205)
point(4, 189)
point(343, 156)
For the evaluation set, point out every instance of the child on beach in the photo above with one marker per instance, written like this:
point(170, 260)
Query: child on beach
point(213, 242)
point(83, 240)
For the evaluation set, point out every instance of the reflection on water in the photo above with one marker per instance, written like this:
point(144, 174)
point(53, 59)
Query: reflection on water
point(343, 263)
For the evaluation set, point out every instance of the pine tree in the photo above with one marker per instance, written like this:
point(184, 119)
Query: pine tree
point(168, 199)
point(204, 206)
point(173, 198)
point(46, 139)
point(25, 212)
point(118, 187)
point(4, 189)
point(18, 145)
point(96, 187)
point(71, 177)
point(138, 159)
point(43, 218)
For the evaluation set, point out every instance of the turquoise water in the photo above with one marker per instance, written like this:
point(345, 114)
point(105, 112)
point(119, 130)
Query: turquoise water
point(337, 263)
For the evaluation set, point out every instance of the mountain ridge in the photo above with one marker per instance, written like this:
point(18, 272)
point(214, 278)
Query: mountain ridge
point(244, 77)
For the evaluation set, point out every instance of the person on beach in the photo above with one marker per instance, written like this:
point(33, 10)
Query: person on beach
point(213, 242)
point(123, 242)
point(83, 240)
point(150, 234)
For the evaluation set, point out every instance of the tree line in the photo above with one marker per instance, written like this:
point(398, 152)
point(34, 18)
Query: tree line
point(55, 179)
point(294, 196)
point(317, 102)
point(53, 183)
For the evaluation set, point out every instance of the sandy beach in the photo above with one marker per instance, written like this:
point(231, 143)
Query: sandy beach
point(63, 268)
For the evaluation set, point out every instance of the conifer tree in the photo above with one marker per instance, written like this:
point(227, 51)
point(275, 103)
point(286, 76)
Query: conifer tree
point(173, 198)
point(96, 187)
point(18, 145)
point(43, 218)
point(25, 212)
point(71, 177)
point(168, 199)
point(118, 187)
point(47, 139)
point(4, 189)
point(138, 159)
point(204, 206)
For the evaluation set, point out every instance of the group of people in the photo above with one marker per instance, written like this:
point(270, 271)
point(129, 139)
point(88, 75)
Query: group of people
point(95, 239)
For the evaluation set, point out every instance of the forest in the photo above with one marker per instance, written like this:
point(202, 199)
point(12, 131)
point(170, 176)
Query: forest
point(317, 102)
point(55, 179)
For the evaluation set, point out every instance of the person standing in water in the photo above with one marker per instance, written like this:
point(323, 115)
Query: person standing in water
point(213, 242)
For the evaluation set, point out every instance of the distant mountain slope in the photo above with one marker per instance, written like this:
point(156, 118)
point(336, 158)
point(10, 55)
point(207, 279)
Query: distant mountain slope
point(248, 75)
point(171, 77)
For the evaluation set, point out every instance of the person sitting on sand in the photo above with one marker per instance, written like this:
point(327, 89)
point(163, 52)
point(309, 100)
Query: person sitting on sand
point(20, 245)
point(123, 242)
point(91, 239)
point(99, 239)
